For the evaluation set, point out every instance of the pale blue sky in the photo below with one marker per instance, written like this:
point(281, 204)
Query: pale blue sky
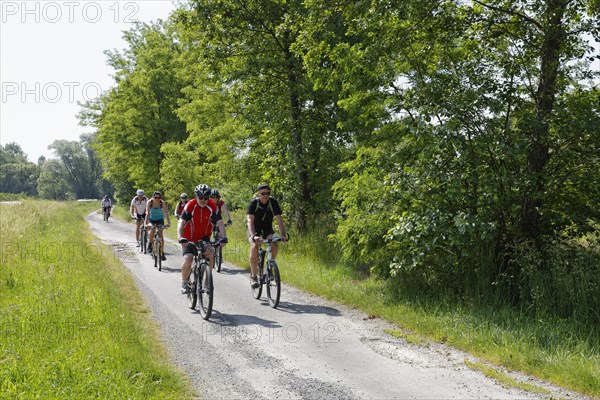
point(51, 56)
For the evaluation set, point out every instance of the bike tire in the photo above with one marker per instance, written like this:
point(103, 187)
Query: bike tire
point(205, 292)
point(218, 258)
point(193, 293)
point(159, 256)
point(144, 238)
point(273, 284)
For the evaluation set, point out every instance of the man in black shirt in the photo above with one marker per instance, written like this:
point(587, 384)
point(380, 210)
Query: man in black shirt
point(261, 211)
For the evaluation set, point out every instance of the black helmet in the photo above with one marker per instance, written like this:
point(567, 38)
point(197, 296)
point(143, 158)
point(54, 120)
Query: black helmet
point(202, 190)
point(215, 193)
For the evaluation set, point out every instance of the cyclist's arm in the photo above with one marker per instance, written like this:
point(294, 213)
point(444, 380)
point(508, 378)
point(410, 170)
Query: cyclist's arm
point(279, 220)
point(166, 212)
point(147, 212)
point(250, 225)
point(225, 210)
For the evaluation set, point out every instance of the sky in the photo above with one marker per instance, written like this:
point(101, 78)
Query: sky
point(52, 57)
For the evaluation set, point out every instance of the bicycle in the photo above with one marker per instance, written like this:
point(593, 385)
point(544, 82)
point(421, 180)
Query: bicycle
point(269, 275)
point(143, 235)
point(157, 246)
point(201, 281)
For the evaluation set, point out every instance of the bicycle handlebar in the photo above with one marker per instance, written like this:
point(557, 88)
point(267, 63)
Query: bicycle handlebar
point(275, 238)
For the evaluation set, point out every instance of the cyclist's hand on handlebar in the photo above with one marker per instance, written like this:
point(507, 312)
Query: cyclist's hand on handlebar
point(256, 238)
point(168, 225)
point(183, 241)
point(228, 222)
point(223, 241)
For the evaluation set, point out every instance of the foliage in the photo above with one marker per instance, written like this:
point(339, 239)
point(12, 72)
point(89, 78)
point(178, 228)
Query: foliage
point(17, 175)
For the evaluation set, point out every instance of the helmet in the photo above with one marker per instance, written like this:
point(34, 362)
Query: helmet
point(140, 192)
point(202, 190)
point(215, 193)
point(183, 196)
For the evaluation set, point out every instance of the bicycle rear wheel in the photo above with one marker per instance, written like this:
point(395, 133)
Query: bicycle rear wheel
point(218, 258)
point(144, 240)
point(159, 254)
point(273, 284)
point(205, 292)
point(192, 294)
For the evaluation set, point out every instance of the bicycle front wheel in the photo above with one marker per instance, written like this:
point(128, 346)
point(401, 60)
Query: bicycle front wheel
point(192, 294)
point(273, 284)
point(205, 292)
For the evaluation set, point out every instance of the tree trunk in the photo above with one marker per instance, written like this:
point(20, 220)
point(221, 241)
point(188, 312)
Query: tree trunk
point(538, 156)
point(297, 143)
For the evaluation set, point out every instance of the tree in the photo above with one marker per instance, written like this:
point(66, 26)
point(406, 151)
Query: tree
point(248, 49)
point(137, 116)
point(17, 175)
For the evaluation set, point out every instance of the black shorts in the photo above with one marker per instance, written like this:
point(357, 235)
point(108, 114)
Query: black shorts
point(141, 217)
point(158, 222)
point(191, 248)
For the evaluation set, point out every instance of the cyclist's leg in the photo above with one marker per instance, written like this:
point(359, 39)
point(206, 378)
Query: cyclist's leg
point(210, 253)
point(186, 265)
point(137, 230)
point(253, 257)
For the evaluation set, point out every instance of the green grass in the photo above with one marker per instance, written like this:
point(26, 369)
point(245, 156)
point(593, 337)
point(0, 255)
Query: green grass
point(72, 324)
point(558, 351)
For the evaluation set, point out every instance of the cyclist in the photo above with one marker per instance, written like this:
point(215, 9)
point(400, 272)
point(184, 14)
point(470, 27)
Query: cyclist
point(156, 211)
point(106, 205)
point(138, 212)
point(259, 219)
point(196, 224)
point(179, 207)
point(221, 206)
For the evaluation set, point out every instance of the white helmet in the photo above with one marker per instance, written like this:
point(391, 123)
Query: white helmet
point(140, 192)
point(202, 190)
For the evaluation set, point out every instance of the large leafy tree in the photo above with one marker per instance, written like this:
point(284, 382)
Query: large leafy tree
point(138, 115)
point(467, 144)
point(247, 47)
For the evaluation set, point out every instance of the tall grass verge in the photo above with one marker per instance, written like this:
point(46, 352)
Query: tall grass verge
point(72, 324)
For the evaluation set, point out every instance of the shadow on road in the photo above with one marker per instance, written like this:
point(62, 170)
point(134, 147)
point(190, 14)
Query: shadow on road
point(233, 320)
point(306, 309)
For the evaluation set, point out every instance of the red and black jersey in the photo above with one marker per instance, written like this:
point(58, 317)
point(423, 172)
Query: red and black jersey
point(199, 220)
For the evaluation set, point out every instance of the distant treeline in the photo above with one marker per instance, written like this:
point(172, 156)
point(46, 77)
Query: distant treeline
point(74, 174)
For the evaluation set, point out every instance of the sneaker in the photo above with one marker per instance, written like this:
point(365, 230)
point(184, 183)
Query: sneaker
point(254, 282)
point(163, 258)
point(137, 244)
point(185, 287)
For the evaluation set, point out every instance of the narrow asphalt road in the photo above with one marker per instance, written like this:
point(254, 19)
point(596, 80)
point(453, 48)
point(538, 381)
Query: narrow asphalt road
point(308, 348)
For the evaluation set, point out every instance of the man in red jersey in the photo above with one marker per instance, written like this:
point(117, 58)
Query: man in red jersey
point(196, 224)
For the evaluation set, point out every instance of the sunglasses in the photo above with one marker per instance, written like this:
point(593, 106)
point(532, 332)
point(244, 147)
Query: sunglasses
point(202, 197)
point(265, 193)
point(157, 197)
